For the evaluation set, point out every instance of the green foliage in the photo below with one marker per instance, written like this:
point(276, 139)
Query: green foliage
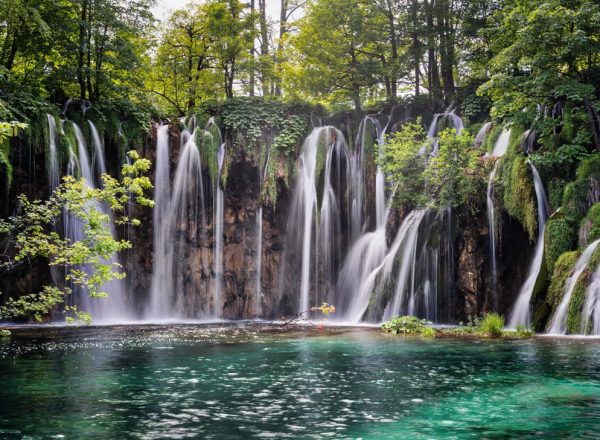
point(590, 226)
point(31, 233)
point(576, 303)
point(403, 164)
point(520, 332)
point(575, 199)
point(340, 45)
point(559, 237)
point(519, 193)
point(492, 325)
point(562, 270)
point(7, 131)
point(4, 333)
point(450, 177)
point(447, 179)
point(408, 325)
point(293, 130)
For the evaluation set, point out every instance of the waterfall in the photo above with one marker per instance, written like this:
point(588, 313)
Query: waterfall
point(315, 238)
point(590, 317)
point(502, 143)
point(218, 233)
point(161, 276)
point(520, 314)
point(114, 307)
point(53, 168)
point(453, 121)
point(175, 280)
point(405, 282)
point(482, 133)
point(558, 324)
point(259, 232)
point(492, 232)
point(99, 157)
point(308, 199)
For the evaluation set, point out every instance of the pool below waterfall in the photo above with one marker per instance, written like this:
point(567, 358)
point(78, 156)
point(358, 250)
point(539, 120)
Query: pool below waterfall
point(240, 381)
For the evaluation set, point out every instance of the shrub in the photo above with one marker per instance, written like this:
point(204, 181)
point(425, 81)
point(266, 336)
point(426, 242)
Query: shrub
point(4, 333)
point(559, 238)
point(562, 269)
point(590, 226)
point(408, 325)
point(519, 193)
point(492, 325)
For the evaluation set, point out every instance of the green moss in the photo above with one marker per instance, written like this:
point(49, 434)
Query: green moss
point(556, 189)
point(576, 303)
point(492, 325)
point(519, 193)
point(559, 238)
point(490, 140)
point(575, 199)
point(590, 226)
point(562, 270)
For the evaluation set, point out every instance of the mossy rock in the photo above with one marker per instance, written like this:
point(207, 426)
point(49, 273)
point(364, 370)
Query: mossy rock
point(562, 270)
point(589, 229)
point(576, 195)
point(556, 189)
point(576, 303)
point(519, 193)
point(559, 237)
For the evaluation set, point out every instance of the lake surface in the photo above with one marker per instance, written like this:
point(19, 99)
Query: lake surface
point(236, 382)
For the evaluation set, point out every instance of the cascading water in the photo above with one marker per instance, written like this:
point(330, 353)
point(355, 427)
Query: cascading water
point(500, 148)
point(53, 168)
point(502, 143)
point(314, 246)
point(258, 293)
point(115, 307)
point(173, 291)
point(590, 316)
point(558, 324)
point(521, 314)
point(161, 275)
point(99, 157)
point(491, 214)
point(452, 120)
point(218, 232)
point(482, 133)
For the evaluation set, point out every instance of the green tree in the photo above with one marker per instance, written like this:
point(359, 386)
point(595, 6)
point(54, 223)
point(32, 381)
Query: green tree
point(404, 161)
point(450, 175)
point(337, 51)
point(31, 234)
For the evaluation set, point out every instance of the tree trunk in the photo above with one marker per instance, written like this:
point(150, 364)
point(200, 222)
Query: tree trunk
point(446, 49)
point(435, 90)
point(415, 48)
point(393, 79)
point(252, 55)
point(88, 44)
point(264, 46)
point(283, 16)
point(81, 50)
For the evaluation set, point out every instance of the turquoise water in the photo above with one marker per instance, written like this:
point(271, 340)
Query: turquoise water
point(199, 382)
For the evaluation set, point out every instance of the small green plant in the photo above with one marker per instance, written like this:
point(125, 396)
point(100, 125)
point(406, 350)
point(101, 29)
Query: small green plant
point(4, 333)
point(408, 325)
point(523, 332)
point(492, 325)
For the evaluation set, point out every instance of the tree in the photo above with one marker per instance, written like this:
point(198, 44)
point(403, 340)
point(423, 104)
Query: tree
point(404, 160)
point(550, 61)
point(449, 175)
point(337, 50)
point(31, 235)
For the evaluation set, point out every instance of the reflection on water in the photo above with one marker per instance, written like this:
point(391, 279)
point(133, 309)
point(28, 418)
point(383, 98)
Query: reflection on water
point(215, 382)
